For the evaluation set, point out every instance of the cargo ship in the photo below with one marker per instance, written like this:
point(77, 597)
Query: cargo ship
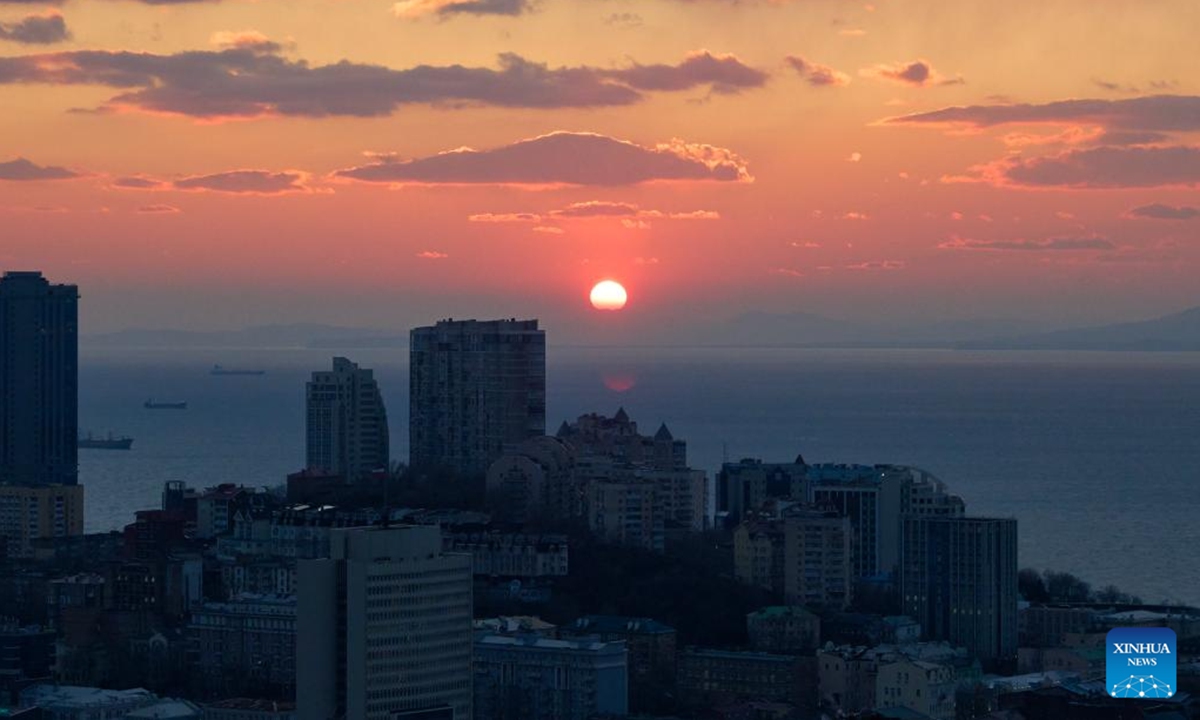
point(152, 405)
point(221, 370)
point(124, 442)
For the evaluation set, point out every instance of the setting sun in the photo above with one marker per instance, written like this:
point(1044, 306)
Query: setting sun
point(608, 295)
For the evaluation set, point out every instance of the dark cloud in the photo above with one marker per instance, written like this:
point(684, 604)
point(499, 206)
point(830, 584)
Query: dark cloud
point(1157, 113)
point(561, 158)
point(22, 169)
point(138, 182)
point(1159, 211)
point(445, 8)
point(1104, 167)
point(816, 74)
point(1049, 244)
point(41, 29)
point(247, 182)
point(255, 80)
point(917, 73)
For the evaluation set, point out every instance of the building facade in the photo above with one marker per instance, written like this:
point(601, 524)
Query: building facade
point(958, 578)
point(816, 558)
point(347, 427)
point(246, 644)
point(783, 629)
point(30, 513)
point(39, 381)
point(530, 677)
point(476, 388)
point(384, 628)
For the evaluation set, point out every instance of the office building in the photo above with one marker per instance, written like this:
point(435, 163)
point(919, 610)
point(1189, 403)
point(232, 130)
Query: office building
point(384, 628)
point(476, 388)
point(958, 578)
point(39, 381)
point(347, 428)
point(530, 677)
point(31, 513)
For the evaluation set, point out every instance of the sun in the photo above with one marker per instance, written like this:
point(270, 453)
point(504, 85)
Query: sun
point(609, 295)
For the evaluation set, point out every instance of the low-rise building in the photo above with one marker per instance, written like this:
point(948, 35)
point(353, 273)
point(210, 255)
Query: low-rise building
point(925, 687)
point(783, 629)
point(71, 702)
point(705, 676)
point(512, 554)
point(530, 677)
point(28, 514)
point(245, 645)
point(651, 645)
point(249, 709)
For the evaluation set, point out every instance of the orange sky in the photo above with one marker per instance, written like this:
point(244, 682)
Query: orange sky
point(229, 162)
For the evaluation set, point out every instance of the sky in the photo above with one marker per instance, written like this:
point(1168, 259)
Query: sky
point(212, 164)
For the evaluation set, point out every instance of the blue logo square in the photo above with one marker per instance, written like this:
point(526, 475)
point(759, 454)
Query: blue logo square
point(1141, 663)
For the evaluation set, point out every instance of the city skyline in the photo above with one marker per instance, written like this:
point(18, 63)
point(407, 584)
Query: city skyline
point(866, 161)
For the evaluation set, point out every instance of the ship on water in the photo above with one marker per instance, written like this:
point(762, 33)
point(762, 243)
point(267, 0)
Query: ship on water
point(151, 404)
point(112, 442)
point(221, 370)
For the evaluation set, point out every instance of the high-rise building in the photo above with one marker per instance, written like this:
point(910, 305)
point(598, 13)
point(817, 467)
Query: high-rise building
point(384, 628)
point(476, 388)
point(35, 513)
point(958, 578)
point(816, 558)
point(347, 423)
point(744, 487)
point(39, 381)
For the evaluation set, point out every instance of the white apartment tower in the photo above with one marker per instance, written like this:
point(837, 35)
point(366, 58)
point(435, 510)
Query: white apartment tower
point(384, 628)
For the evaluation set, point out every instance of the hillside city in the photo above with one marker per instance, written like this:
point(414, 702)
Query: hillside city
point(518, 569)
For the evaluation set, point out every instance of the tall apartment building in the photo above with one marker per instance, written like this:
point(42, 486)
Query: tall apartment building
point(476, 389)
point(33, 513)
point(626, 511)
point(529, 677)
point(347, 428)
point(39, 381)
point(958, 578)
point(534, 480)
point(745, 486)
point(384, 628)
point(816, 558)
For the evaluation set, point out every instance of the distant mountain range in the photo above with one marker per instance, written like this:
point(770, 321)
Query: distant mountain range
point(1176, 332)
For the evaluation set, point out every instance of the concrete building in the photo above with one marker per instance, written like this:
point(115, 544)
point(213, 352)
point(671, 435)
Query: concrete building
point(927, 688)
point(245, 645)
point(707, 676)
point(745, 486)
point(682, 496)
point(534, 481)
point(26, 654)
point(758, 554)
point(848, 675)
point(31, 513)
point(530, 677)
point(249, 709)
point(39, 381)
point(384, 628)
point(783, 629)
point(476, 389)
point(626, 512)
point(72, 702)
point(347, 427)
point(618, 438)
point(512, 555)
point(817, 553)
point(958, 578)
point(651, 646)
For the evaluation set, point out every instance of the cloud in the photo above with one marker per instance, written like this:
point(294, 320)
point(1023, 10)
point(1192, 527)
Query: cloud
point(505, 218)
point(21, 169)
point(561, 158)
point(139, 182)
point(1100, 167)
point(1159, 211)
point(855, 215)
point(251, 40)
point(1093, 242)
point(917, 73)
point(158, 209)
point(1156, 113)
point(446, 8)
point(816, 74)
point(549, 229)
point(246, 182)
point(625, 19)
point(594, 209)
point(43, 29)
point(879, 265)
point(432, 255)
point(253, 80)
point(788, 272)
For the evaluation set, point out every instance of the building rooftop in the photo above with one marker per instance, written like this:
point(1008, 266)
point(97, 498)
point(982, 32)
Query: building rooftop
point(620, 624)
point(781, 611)
point(543, 643)
point(166, 709)
point(251, 704)
point(73, 696)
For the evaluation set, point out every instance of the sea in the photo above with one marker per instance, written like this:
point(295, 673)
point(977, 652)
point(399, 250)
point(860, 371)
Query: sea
point(1097, 455)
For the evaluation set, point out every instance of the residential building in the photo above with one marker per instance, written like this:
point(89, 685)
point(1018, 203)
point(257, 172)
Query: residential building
point(347, 427)
point(683, 497)
point(706, 676)
point(848, 675)
point(246, 645)
point(530, 677)
point(926, 687)
point(758, 554)
point(783, 629)
point(534, 481)
point(745, 486)
point(249, 709)
point(958, 578)
point(626, 512)
point(817, 553)
point(651, 645)
point(476, 388)
point(29, 513)
point(26, 654)
point(384, 627)
point(618, 438)
point(39, 381)
point(512, 554)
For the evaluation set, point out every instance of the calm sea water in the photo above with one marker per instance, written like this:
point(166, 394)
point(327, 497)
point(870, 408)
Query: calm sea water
point(1096, 454)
